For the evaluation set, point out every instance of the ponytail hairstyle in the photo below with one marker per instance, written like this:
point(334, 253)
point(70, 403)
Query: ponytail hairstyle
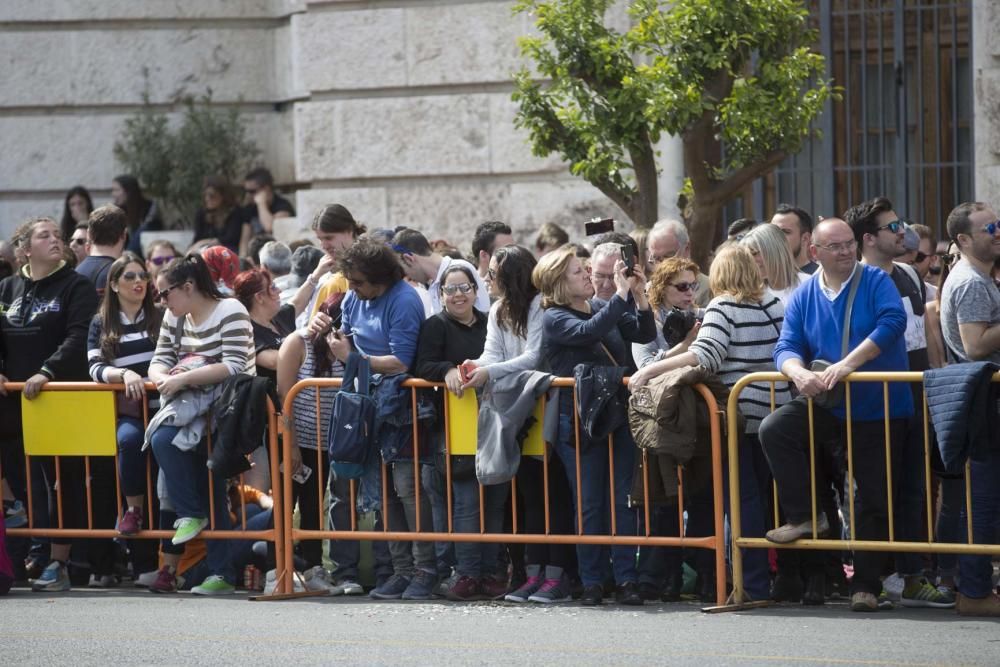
point(192, 269)
point(249, 284)
point(109, 312)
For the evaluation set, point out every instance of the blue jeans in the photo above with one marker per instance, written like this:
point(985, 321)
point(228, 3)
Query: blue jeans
point(421, 555)
point(596, 503)
point(950, 526)
point(756, 575)
point(131, 458)
point(345, 553)
point(477, 559)
point(434, 486)
point(976, 572)
point(187, 485)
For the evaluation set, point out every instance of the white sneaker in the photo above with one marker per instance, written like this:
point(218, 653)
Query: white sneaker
point(893, 585)
point(349, 587)
point(271, 582)
point(102, 581)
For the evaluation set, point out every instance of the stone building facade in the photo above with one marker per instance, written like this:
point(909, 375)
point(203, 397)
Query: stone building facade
point(399, 109)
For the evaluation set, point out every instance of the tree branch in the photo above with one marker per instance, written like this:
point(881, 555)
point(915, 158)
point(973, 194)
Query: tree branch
point(726, 189)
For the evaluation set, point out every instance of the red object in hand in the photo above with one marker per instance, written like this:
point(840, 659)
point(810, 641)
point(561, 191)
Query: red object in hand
point(465, 371)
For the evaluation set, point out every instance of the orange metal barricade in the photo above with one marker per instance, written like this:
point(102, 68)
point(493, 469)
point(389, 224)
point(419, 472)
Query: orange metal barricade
point(275, 534)
point(713, 542)
point(891, 545)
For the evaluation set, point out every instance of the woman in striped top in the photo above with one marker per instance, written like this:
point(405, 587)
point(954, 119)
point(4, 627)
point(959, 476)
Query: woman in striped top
point(204, 339)
point(120, 346)
point(737, 337)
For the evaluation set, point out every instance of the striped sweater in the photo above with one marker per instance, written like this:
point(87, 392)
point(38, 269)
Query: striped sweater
point(225, 336)
point(304, 403)
point(135, 350)
point(739, 338)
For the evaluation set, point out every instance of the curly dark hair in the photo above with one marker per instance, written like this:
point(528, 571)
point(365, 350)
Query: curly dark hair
point(375, 261)
point(862, 217)
point(514, 266)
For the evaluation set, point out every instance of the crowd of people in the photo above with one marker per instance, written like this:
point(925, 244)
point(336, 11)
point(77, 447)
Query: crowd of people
point(84, 299)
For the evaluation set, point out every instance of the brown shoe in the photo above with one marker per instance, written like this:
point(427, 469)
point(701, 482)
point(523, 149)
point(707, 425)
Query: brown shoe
point(987, 606)
point(864, 602)
point(793, 531)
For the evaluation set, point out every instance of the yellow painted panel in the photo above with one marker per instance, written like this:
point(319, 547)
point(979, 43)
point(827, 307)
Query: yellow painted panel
point(463, 425)
point(69, 423)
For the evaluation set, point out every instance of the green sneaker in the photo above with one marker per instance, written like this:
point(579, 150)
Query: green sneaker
point(188, 529)
point(922, 594)
point(214, 585)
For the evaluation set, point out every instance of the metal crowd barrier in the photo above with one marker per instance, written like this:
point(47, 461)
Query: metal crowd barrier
point(426, 533)
point(239, 532)
point(853, 544)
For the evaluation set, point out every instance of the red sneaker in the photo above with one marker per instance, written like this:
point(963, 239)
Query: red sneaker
point(492, 588)
point(465, 590)
point(166, 581)
point(130, 523)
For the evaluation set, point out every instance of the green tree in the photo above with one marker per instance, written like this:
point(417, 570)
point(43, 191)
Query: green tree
point(735, 80)
point(171, 164)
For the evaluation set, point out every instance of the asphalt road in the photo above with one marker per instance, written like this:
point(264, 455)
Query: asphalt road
point(134, 627)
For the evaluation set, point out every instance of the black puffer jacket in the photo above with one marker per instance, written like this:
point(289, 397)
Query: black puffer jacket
point(962, 402)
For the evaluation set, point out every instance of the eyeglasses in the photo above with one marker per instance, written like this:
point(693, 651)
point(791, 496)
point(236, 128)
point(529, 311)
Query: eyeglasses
point(602, 277)
point(160, 261)
point(272, 288)
point(991, 228)
point(464, 288)
point(133, 275)
point(684, 287)
point(491, 274)
point(839, 248)
point(895, 227)
point(162, 294)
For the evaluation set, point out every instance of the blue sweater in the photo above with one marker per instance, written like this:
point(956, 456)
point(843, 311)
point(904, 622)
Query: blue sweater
point(387, 325)
point(814, 327)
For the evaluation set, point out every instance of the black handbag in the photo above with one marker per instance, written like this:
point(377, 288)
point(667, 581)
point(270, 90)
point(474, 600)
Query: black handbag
point(349, 438)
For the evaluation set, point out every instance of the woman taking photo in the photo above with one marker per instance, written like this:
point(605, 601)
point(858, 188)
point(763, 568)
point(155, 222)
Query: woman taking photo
point(204, 339)
point(45, 313)
point(513, 344)
point(671, 295)
point(741, 327)
point(577, 333)
point(448, 338)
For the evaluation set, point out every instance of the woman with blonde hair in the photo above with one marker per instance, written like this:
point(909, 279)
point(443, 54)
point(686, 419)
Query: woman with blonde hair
point(580, 330)
point(741, 327)
point(777, 267)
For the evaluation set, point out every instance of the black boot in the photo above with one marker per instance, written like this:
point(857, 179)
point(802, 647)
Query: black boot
point(786, 588)
point(815, 593)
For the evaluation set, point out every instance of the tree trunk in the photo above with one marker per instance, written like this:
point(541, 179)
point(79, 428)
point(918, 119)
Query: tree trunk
point(705, 217)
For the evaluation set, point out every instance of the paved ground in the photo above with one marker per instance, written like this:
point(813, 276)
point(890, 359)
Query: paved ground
point(133, 627)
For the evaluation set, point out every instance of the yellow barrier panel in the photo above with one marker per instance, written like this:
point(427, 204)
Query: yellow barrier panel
point(463, 425)
point(55, 421)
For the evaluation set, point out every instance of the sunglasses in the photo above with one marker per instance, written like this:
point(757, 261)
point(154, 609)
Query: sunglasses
point(464, 288)
point(920, 257)
point(162, 294)
point(491, 274)
point(991, 228)
point(895, 227)
point(78, 241)
point(133, 275)
point(684, 287)
point(160, 261)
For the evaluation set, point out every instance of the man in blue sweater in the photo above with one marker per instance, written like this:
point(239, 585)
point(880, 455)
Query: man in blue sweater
point(813, 330)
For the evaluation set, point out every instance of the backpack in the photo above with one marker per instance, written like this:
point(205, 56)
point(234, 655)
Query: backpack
point(349, 438)
point(240, 416)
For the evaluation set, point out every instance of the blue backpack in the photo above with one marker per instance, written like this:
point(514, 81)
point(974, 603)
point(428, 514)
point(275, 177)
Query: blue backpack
point(349, 439)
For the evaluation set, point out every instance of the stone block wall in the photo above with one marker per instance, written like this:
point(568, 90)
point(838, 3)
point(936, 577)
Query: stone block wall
point(71, 71)
point(399, 110)
point(986, 76)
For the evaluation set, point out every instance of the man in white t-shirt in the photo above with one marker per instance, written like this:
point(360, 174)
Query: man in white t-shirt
point(422, 265)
